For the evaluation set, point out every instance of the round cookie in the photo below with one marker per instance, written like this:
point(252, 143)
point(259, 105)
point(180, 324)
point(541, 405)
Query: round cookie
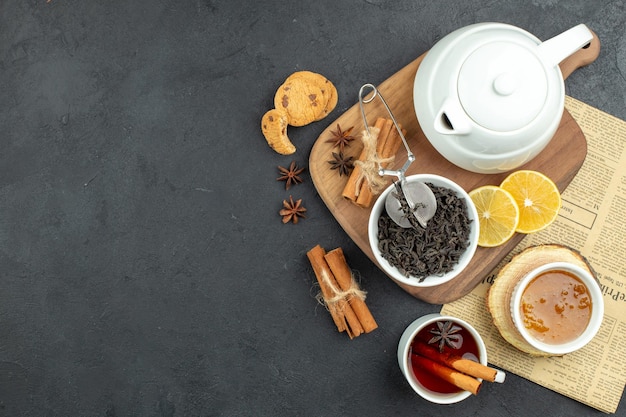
point(329, 91)
point(301, 100)
point(333, 99)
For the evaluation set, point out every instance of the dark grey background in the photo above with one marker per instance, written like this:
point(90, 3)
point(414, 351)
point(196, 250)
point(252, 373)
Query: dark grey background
point(144, 269)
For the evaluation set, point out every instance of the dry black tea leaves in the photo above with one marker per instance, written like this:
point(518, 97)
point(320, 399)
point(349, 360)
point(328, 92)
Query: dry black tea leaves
point(292, 211)
point(343, 164)
point(432, 251)
point(290, 175)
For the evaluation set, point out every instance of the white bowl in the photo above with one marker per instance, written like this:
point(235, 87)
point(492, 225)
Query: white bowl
point(464, 260)
point(597, 309)
point(404, 352)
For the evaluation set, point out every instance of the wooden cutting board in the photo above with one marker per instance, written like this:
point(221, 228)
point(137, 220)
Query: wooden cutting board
point(560, 160)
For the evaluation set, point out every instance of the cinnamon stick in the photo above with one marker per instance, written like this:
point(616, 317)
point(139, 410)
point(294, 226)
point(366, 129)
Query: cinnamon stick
point(340, 268)
point(387, 145)
point(344, 317)
point(458, 379)
point(467, 366)
point(389, 148)
point(353, 187)
point(387, 133)
point(385, 130)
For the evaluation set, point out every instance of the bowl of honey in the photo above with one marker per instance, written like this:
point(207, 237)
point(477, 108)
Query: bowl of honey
point(427, 348)
point(557, 307)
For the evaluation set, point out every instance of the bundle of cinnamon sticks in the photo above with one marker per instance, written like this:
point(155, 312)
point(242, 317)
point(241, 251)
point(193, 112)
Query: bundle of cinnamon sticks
point(359, 189)
point(340, 293)
point(462, 373)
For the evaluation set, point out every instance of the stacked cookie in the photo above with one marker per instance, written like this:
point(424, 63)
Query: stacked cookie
point(303, 98)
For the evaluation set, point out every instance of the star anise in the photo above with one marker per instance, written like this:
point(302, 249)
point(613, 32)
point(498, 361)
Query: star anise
point(341, 138)
point(446, 334)
point(344, 164)
point(292, 211)
point(290, 175)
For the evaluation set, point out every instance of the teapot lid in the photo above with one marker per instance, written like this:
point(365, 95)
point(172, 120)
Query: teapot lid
point(502, 86)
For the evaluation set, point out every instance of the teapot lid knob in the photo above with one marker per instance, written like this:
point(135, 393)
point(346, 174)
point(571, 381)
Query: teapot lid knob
point(505, 84)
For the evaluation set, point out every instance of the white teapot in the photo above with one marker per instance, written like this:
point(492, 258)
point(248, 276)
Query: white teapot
point(489, 97)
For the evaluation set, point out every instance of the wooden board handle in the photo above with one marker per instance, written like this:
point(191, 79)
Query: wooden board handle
point(584, 56)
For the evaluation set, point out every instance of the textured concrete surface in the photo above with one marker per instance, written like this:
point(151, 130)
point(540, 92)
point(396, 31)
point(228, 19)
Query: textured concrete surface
point(144, 269)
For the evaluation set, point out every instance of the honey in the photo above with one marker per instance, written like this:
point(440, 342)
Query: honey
point(556, 307)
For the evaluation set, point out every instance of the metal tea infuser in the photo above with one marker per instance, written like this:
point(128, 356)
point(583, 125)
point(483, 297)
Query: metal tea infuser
point(419, 197)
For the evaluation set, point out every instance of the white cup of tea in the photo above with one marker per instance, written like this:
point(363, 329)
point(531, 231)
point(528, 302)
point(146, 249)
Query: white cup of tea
point(424, 383)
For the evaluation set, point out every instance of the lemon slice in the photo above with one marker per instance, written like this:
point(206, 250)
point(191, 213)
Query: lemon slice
point(537, 197)
point(498, 214)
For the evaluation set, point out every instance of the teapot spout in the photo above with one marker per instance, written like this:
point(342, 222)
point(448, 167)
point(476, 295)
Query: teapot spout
point(451, 119)
point(556, 49)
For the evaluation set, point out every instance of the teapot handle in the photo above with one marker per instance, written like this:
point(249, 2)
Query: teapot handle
point(556, 49)
point(584, 56)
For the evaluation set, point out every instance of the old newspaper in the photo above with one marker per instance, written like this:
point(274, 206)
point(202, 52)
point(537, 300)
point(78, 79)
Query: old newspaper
point(592, 220)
